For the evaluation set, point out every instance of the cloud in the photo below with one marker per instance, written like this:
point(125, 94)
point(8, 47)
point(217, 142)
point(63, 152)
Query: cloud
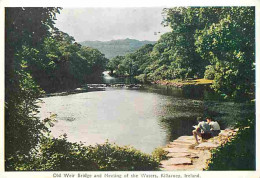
point(111, 23)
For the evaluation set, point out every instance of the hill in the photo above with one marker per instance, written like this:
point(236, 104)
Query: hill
point(116, 47)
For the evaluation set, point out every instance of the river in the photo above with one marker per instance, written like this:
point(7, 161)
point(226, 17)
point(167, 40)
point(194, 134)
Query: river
point(145, 118)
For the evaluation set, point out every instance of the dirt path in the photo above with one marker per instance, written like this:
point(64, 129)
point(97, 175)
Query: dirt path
point(184, 155)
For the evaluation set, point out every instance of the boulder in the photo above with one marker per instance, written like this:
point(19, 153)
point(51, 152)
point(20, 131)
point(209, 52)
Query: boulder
point(177, 161)
point(206, 146)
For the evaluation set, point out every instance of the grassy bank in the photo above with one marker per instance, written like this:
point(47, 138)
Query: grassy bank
point(182, 83)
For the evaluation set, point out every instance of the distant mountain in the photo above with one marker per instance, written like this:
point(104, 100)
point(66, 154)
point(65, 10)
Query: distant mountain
point(116, 47)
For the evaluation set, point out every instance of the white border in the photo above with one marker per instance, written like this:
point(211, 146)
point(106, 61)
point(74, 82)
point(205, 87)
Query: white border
point(129, 3)
point(118, 4)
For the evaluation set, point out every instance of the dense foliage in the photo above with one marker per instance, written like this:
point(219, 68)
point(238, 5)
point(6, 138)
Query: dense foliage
point(239, 152)
point(205, 42)
point(22, 129)
point(59, 63)
point(132, 64)
point(229, 47)
point(57, 154)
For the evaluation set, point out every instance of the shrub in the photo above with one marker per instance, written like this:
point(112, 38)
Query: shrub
point(159, 154)
point(57, 154)
point(111, 157)
point(238, 153)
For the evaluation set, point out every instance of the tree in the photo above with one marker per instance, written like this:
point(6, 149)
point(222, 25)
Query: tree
point(141, 59)
point(113, 65)
point(229, 47)
point(22, 129)
point(59, 63)
point(180, 50)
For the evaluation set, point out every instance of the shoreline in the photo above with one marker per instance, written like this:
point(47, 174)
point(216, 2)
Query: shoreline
point(182, 83)
point(101, 87)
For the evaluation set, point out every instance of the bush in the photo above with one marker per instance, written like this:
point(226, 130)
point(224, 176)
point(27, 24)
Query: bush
point(111, 157)
point(57, 154)
point(159, 154)
point(238, 153)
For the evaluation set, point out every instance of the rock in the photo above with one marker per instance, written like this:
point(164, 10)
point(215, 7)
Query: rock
point(177, 161)
point(194, 156)
point(175, 155)
point(184, 154)
point(176, 150)
point(129, 86)
point(206, 145)
point(175, 167)
point(186, 138)
point(184, 142)
point(171, 145)
point(223, 132)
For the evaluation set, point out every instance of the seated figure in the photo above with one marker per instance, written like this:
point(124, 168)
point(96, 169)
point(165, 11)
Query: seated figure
point(214, 127)
point(202, 130)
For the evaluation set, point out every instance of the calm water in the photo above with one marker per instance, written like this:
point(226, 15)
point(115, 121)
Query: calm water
point(123, 116)
point(143, 118)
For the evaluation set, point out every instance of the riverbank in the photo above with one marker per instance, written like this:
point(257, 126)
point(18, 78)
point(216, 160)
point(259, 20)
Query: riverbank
point(182, 83)
point(101, 87)
point(183, 154)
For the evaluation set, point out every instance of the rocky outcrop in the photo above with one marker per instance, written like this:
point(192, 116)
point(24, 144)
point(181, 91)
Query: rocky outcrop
point(184, 154)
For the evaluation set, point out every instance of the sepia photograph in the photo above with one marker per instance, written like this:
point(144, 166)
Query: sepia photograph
point(165, 89)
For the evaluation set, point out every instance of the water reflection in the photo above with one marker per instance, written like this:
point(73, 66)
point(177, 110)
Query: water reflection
point(177, 126)
point(180, 115)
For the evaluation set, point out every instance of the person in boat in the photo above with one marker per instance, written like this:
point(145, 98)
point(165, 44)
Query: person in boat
point(202, 130)
point(214, 127)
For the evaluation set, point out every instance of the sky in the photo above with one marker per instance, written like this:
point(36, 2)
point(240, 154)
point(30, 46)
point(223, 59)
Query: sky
point(104, 24)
